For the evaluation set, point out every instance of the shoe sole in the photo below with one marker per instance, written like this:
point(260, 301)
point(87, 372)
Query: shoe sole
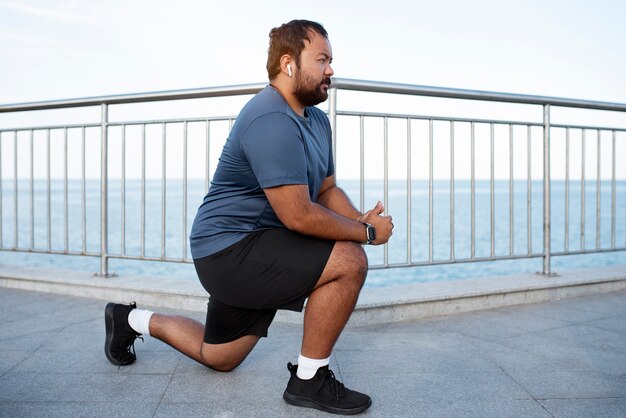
point(307, 403)
point(109, 325)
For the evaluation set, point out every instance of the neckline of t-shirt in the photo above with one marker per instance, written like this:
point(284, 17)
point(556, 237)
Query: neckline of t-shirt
point(304, 118)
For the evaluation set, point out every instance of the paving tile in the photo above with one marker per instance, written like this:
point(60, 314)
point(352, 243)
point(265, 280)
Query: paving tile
point(480, 408)
point(435, 386)
point(84, 387)
point(271, 359)
point(230, 394)
point(511, 359)
point(57, 321)
point(60, 362)
point(220, 409)
point(568, 384)
point(613, 323)
point(25, 302)
point(73, 342)
point(608, 303)
point(414, 359)
point(205, 409)
point(405, 335)
point(580, 355)
point(187, 366)
point(236, 386)
point(596, 408)
point(494, 324)
point(55, 306)
point(564, 310)
point(589, 333)
point(28, 326)
point(92, 339)
point(93, 323)
point(27, 343)
point(77, 409)
point(9, 359)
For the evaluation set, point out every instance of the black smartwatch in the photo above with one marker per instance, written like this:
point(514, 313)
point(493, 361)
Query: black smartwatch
point(370, 233)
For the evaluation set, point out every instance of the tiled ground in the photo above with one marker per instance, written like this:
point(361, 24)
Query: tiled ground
point(557, 359)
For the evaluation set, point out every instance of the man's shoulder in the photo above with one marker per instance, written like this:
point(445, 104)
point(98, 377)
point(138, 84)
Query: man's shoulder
point(267, 100)
point(266, 104)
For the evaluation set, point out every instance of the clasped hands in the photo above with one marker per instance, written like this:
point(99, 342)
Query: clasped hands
point(382, 223)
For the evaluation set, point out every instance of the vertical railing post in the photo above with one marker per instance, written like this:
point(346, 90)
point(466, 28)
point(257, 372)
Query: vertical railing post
point(546, 189)
point(332, 116)
point(104, 192)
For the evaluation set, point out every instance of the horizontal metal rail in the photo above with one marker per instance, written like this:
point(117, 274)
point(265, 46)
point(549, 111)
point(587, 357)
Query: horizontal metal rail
point(136, 98)
point(338, 83)
point(415, 90)
point(439, 118)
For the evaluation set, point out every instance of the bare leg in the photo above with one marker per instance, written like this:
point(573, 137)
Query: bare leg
point(330, 305)
point(187, 336)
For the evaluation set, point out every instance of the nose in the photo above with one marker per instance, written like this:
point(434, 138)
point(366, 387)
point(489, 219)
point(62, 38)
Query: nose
point(329, 71)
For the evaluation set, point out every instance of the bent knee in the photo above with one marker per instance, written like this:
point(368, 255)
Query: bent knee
point(222, 365)
point(347, 262)
point(353, 258)
point(228, 356)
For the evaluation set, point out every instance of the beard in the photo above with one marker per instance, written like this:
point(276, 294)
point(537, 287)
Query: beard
point(308, 91)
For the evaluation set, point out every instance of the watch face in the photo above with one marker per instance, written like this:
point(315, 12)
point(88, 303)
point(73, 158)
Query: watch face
point(371, 233)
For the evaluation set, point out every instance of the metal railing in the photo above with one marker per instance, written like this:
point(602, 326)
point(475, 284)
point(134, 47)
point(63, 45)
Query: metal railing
point(68, 228)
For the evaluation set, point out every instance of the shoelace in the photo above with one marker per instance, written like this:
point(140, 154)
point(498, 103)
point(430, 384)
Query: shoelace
point(129, 344)
point(334, 385)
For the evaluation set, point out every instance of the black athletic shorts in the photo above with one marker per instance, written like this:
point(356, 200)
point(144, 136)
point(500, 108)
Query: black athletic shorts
point(253, 278)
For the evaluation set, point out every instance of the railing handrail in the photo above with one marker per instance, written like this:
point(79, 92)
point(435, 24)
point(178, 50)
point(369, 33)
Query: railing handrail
point(236, 90)
point(452, 93)
point(338, 83)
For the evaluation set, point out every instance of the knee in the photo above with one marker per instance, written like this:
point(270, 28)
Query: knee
point(357, 262)
point(227, 356)
point(223, 365)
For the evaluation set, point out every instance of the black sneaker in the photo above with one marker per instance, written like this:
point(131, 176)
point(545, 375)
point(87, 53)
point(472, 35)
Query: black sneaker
point(324, 392)
point(119, 344)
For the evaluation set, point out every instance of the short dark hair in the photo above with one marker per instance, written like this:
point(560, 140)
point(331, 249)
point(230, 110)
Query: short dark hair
point(289, 39)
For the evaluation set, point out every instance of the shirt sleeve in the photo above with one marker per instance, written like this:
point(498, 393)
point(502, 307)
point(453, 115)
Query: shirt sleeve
point(331, 159)
point(274, 148)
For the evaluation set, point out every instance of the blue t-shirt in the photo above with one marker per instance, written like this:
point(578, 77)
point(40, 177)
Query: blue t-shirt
point(269, 145)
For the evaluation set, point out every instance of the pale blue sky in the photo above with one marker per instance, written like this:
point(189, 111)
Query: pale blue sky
point(71, 48)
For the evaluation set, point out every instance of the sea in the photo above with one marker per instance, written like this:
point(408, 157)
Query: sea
point(514, 230)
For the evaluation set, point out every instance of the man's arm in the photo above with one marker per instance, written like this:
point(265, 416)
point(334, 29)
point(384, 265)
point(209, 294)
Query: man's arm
point(294, 208)
point(334, 198)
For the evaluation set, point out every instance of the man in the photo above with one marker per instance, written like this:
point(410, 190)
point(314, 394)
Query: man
point(273, 230)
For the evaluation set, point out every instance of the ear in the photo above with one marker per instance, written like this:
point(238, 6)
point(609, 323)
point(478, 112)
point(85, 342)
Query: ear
point(287, 65)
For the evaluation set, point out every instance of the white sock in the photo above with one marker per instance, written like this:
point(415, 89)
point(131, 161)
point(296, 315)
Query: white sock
point(307, 367)
point(139, 320)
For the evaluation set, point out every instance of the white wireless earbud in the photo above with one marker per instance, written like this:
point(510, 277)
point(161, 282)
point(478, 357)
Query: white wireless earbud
point(289, 69)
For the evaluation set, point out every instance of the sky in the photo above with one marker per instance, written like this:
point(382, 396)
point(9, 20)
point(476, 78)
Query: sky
point(75, 48)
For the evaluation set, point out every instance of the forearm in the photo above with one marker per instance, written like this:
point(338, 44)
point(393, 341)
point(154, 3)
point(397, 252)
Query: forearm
point(327, 223)
point(296, 211)
point(322, 222)
point(338, 221)
point(338, 201)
